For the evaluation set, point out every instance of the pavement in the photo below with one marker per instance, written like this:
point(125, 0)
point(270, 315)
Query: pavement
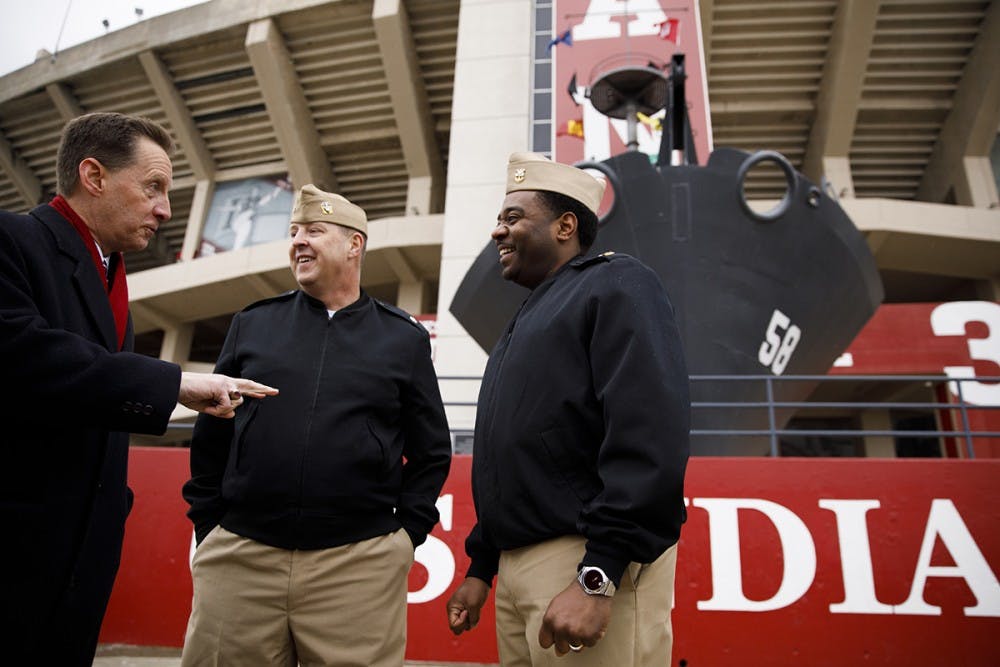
point(119, 655)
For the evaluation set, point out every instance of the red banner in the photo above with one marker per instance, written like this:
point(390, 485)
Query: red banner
point(839, 562)
point(956, 338)
point(805, 561)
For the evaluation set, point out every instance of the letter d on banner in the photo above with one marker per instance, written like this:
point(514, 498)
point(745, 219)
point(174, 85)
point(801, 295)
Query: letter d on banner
point(797, 549)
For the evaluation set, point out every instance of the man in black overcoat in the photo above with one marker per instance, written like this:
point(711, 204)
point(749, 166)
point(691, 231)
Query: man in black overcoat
point(72, 388)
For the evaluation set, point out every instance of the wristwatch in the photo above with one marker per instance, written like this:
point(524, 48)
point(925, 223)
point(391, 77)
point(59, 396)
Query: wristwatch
point(594, 581)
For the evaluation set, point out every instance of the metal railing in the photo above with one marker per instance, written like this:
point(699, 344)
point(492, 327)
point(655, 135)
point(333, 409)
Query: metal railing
point(773, 431)
point(771, 412)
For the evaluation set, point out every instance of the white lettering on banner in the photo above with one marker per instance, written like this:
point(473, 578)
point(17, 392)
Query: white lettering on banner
point(598, 22)
point(855, 557)
point(945, 522)
point(798, 551)
point(776, 350)
point(950, 319)
point(797, 548)
point(436, 556)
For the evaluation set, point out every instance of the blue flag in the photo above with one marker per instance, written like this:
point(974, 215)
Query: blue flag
point(565, 38)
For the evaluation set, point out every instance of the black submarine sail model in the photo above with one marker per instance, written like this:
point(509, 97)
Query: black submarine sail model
point(780, 292)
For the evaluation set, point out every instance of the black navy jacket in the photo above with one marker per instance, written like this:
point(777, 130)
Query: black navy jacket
point(321, 464)
point(583, 420)
point(67, 397)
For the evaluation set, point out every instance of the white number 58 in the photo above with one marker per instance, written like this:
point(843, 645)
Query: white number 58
point(776, 350)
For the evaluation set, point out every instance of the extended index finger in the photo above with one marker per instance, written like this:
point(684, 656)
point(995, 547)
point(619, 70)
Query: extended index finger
point(254, 389)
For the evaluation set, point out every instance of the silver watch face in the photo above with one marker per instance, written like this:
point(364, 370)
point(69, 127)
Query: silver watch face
point(594, 581)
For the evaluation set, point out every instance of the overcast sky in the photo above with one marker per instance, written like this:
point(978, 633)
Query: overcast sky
point(29, 25)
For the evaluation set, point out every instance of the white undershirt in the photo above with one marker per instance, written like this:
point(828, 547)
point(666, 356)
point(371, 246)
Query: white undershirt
point(104, 258)
point(331, 312)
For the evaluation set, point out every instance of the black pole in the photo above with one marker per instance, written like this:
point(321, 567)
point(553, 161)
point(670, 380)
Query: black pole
point(676, 124)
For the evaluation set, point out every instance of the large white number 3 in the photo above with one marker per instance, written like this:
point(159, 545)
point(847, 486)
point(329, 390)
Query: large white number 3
point(776, 350)
point(949, 319)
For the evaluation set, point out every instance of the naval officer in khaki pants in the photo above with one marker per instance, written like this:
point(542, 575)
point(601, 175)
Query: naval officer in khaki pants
point(307, 511)
point(581, 441)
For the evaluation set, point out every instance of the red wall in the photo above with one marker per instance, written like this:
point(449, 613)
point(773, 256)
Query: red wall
point(957, 339)
point(936, 521)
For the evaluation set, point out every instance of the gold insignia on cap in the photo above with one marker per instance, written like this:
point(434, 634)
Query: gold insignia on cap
point(608, 253)
point(315, 205)
point(551, 176)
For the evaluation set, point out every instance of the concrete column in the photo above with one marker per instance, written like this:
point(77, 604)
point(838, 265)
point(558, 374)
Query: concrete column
point(177, 343)
point(420, 195)
point(181, 121)
point(837, 171)
point(200, 203)
point(24, 180)
point(410, 297)
point(970, 129)
point(287, 107)
point(878, 446)
point(978, 186)
point(490, 119)
point(410, 106)
point(839, 95)
point(64, 100)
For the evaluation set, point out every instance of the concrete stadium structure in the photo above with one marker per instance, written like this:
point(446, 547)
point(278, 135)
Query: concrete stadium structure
point(410, 108)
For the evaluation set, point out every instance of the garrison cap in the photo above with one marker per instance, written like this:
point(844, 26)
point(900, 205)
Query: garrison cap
point(533, 171)
point(314, 205)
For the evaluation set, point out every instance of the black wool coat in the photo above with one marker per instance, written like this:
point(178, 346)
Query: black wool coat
point(68, 398)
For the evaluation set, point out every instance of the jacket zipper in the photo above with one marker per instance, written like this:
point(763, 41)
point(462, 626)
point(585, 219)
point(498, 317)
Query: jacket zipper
point(312, 411)
point(490, 462)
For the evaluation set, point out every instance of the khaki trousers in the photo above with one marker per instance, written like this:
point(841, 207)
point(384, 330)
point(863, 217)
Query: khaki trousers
point(639, 632)
point(258, 605)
